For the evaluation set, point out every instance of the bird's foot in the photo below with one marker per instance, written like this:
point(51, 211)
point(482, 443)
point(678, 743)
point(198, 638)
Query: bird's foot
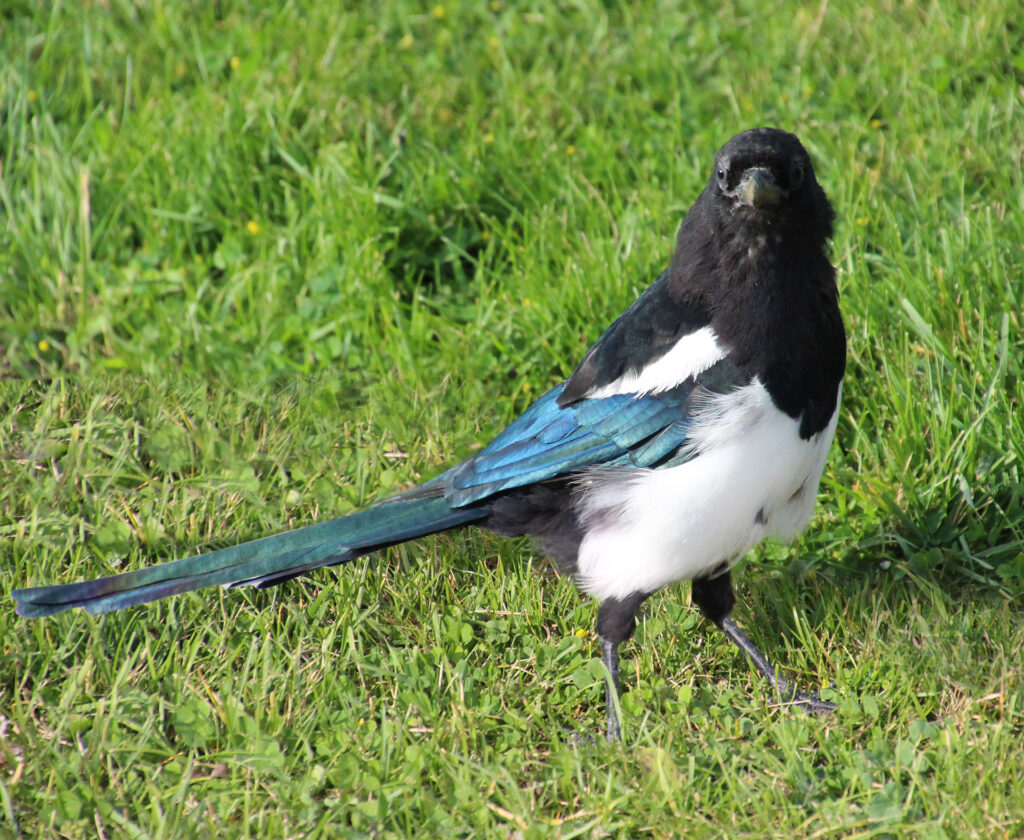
point(585, 739)
point(613, 734)
point(577, 739)
point(789, 695)
point(811, 703)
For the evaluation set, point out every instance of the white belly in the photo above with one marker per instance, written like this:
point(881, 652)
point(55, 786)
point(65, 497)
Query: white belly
point(752, 477)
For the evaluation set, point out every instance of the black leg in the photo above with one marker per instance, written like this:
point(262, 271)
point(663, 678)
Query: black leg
point(610, 658)
point(715, 598)
point(616, 620)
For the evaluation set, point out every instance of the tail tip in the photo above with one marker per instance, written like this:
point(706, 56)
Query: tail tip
point(26, 605)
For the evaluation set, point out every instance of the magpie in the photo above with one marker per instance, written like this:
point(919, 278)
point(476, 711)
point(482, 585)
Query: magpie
point(697, 424)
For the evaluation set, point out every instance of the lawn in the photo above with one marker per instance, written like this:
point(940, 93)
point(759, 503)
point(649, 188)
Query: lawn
point(262, 264)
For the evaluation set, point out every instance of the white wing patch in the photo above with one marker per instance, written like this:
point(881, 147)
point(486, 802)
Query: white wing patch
point(754, 477)
point(691, 355)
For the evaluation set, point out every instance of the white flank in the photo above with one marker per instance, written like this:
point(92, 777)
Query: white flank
point(753, 478)
point(692, 354)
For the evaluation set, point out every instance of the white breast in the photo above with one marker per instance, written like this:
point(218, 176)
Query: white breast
point(752, 477)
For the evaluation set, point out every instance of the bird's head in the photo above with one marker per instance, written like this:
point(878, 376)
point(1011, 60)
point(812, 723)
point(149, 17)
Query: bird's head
point(764, 174)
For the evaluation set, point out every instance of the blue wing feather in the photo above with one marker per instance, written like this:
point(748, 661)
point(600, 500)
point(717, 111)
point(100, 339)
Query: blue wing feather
point(550, 440)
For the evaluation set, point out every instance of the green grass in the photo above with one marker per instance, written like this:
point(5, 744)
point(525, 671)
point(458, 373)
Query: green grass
point(264, 263)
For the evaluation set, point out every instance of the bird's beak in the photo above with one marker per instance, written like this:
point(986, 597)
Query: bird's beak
point(757, 188)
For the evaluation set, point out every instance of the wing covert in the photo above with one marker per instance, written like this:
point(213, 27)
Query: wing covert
point(549, 440)
point(645, 332)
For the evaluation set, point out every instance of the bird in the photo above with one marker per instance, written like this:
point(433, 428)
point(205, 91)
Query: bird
point(698, 424)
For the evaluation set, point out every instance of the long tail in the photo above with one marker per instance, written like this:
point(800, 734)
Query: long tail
point(261, 563)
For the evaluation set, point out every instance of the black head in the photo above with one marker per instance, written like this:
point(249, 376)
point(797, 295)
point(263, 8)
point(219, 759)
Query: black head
point(765, 173)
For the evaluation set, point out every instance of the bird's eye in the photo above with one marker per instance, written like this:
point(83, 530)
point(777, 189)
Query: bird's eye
point(796, 175)
point(721, 175)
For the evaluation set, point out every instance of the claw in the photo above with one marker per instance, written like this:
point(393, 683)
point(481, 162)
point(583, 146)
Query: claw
point(790, 696)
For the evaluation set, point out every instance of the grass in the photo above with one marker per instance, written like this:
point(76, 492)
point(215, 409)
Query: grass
point(265, 263)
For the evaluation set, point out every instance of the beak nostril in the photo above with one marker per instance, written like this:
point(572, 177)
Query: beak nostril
point(757, 188)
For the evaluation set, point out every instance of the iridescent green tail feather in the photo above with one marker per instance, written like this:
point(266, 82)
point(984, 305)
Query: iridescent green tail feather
point(263, 562)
